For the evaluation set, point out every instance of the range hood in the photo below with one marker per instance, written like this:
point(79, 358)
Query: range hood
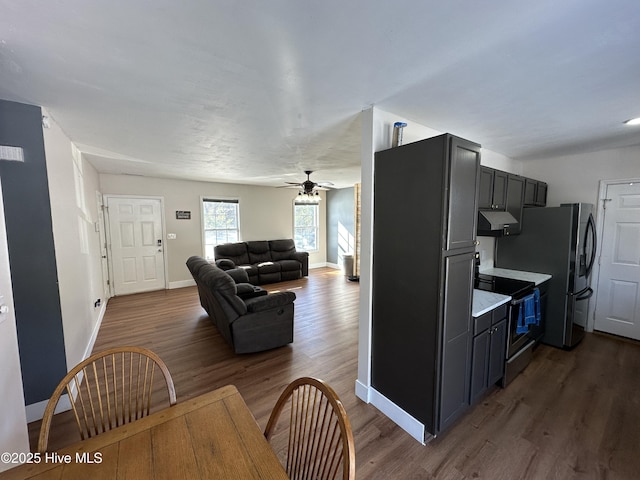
point(494, 223)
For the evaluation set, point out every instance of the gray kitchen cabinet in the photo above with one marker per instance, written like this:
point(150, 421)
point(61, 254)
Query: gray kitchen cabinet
point(488, 352)
point(425, 206)
point(456, 364)
point(515, 201)
point(535, 193)
point(492, 193)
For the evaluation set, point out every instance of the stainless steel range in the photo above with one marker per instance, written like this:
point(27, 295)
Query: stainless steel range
point(520, 338)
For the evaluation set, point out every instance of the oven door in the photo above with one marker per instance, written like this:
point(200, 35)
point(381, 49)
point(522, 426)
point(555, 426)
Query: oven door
point(516, 341)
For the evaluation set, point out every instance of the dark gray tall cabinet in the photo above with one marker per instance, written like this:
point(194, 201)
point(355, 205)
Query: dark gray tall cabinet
point(425, 201)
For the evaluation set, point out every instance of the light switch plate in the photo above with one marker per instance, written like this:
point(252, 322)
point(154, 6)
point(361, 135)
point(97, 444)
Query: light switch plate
point(171, 236)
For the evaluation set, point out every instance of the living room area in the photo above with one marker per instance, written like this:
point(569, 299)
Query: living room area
point(73, 248)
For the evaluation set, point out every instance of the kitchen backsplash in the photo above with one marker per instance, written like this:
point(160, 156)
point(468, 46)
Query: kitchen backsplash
point(486, 248)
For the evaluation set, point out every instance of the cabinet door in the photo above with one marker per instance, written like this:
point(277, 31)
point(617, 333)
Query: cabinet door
point(541, 194)
point(485, 190)
point(456, 341)
point(479, 365)
point(500, 190)
point(530, 187)
point(515, 197)
point(497, 352)
point(464, 174)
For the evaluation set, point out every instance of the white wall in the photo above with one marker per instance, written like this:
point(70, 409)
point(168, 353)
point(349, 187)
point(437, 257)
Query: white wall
point(14, 436)
point(72, 188)
point(575, 178)
point(266, 213)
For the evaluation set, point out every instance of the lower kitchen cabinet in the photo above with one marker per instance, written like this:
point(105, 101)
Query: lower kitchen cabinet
point(488, 351)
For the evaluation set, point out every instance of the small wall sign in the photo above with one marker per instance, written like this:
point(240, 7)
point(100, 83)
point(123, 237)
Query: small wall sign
point(183, 214)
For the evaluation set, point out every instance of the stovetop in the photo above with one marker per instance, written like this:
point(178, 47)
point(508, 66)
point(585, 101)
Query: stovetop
point(503, 285)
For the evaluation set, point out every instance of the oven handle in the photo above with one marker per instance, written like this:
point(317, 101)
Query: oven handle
point(518, 301)
point(522, 350)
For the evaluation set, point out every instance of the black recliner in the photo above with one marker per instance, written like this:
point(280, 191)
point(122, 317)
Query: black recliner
point(250, 324)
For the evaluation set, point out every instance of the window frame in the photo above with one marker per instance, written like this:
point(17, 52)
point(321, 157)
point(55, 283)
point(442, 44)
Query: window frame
point(217, 199)
point(316, 206)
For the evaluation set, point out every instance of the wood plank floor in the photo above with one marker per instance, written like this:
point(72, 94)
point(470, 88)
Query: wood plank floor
point(570, 415)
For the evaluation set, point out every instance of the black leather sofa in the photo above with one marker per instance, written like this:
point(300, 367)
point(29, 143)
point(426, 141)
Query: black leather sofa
point(265, 261)
point(250, 324)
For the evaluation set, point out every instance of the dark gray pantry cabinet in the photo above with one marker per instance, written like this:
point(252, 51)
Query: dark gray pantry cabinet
point(425, 211)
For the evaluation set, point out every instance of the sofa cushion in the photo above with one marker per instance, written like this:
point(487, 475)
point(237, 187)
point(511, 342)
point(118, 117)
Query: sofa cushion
point(259, 251)
point(239, 275)
point(252, 272)
point(268, 267)
point(290, 265)
point(236, 252)
point(282, 249)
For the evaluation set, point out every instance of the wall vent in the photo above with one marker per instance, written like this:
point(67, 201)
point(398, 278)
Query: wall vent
point(14, 154)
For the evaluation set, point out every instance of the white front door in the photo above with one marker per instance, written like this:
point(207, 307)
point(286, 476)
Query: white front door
point(618, 294)
point(137, 250)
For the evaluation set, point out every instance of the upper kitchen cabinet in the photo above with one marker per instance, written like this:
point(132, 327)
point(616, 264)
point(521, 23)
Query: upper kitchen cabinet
point(462, 170)
point(492, 193)
point(515, 199)
point(505, 209)
point(425, 206)
point(535, 193)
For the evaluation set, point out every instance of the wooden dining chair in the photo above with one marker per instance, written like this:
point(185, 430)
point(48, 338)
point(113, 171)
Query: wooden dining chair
point(109, 389)
point(310, 432)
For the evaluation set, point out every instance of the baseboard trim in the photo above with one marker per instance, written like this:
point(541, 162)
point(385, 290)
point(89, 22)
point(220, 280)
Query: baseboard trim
point(35, 411)
point(362, 391)
point(182, 284)
point(401, 418)
point(96, 329)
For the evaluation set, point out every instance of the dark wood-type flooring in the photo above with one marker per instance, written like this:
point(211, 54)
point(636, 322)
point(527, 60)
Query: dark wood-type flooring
point(569, 415)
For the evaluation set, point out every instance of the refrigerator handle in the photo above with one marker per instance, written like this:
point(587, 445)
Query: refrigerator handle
point(591, 224)
point(585, 294)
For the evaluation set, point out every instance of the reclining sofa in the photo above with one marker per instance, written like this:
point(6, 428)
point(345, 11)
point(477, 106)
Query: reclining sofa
point(257, 322)
point(265, 261)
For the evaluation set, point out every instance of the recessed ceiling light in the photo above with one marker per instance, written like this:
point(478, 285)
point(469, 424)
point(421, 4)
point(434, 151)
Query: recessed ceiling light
point(633, 121)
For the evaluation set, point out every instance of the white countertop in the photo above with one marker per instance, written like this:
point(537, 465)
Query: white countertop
point(484, 302)
point(537, 278)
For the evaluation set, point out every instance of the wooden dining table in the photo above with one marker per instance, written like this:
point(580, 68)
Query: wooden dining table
point(211, 436)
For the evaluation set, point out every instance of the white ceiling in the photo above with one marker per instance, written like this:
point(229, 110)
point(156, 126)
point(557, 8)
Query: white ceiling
point(257, 91)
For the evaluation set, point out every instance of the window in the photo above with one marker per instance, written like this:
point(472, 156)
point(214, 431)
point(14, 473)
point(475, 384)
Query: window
point(220, 223)
point(305, 226)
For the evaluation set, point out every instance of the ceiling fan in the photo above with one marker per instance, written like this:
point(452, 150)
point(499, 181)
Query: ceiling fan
point(308, 187)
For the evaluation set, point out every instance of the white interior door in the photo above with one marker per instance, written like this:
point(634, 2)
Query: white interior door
point(137, 250)
point(618, 294)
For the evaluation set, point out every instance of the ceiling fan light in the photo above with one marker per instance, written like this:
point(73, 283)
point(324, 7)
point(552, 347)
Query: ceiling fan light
point(633, 121)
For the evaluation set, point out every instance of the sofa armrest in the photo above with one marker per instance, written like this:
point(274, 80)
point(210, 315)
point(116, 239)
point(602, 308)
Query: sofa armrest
point(303, 258)
point(225, 264)
point(268, 302)
point(247, 291)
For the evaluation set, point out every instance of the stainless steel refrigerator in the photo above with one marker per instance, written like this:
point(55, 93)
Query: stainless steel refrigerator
point(560, 241)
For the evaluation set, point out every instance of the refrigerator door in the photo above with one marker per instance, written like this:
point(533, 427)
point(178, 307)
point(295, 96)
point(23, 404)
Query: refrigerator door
point(577, 311)
point(582, 246)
